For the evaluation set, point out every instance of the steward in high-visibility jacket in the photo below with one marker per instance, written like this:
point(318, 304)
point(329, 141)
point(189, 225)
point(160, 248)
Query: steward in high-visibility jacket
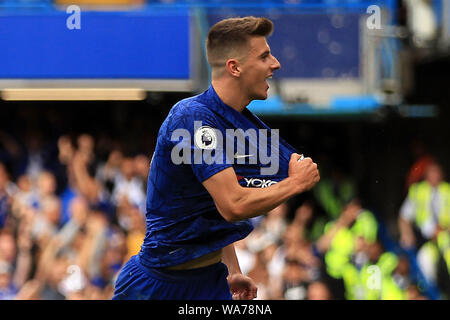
point(374, 281)
point(437, 253)
point(443, 241)
point(427, 206)
point(421, 193)
point(344, 242)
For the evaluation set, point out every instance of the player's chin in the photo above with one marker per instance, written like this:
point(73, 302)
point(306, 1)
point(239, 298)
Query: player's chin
point(265, 95)
point(261, 96)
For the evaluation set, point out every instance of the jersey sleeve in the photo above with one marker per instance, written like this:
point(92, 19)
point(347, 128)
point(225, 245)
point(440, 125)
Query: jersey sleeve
point(203, 144)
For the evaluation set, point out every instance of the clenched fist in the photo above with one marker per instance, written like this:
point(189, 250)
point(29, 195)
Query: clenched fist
point(304, 173)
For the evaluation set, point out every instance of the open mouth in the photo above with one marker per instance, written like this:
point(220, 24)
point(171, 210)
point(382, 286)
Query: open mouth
point(267, 78)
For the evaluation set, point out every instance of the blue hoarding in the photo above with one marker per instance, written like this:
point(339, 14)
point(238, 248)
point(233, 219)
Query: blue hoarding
point(108, 45)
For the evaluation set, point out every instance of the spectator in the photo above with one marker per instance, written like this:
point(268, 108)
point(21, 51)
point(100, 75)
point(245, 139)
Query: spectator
point(24, 198)
point(108, 173)
point(332, 193)
point(46, 219)
point(245, 256)
point(260, 275)
point(47, 256)
point(422, 159)
point(318, 291)
point(129, 187)
point(7, 288)
point(423, 215)
point(7, 247)
point(135, 232)
point(7, 189)
point(142, 165)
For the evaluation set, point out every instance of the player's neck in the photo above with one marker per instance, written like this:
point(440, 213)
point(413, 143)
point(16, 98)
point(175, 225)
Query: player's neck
point(231, 94)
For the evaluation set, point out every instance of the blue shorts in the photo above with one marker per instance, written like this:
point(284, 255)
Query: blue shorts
point(138, 282)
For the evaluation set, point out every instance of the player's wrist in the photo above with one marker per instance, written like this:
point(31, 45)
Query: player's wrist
point(295, 185)
point(232, 274)
point(234, 268)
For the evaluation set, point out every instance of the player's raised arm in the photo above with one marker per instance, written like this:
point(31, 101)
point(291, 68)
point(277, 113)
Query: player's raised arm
point(235, 202)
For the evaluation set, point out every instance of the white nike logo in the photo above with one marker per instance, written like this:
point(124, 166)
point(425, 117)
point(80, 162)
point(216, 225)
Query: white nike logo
point(238, 156)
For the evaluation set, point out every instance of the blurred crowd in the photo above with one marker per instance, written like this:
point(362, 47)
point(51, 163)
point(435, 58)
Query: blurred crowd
point(331, 247)
point(70, 244)
point(68, 224)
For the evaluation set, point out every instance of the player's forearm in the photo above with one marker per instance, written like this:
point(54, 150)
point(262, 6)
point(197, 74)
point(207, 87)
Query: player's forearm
point(230, 260)
point(235, 202)
point(252, 202)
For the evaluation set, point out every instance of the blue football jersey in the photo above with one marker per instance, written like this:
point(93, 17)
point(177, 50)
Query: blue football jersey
point(200, 137)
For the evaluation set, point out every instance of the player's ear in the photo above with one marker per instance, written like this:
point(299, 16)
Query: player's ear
point(233, 67)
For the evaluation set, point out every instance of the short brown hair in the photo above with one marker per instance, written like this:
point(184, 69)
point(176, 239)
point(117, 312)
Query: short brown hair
point(226, 36)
